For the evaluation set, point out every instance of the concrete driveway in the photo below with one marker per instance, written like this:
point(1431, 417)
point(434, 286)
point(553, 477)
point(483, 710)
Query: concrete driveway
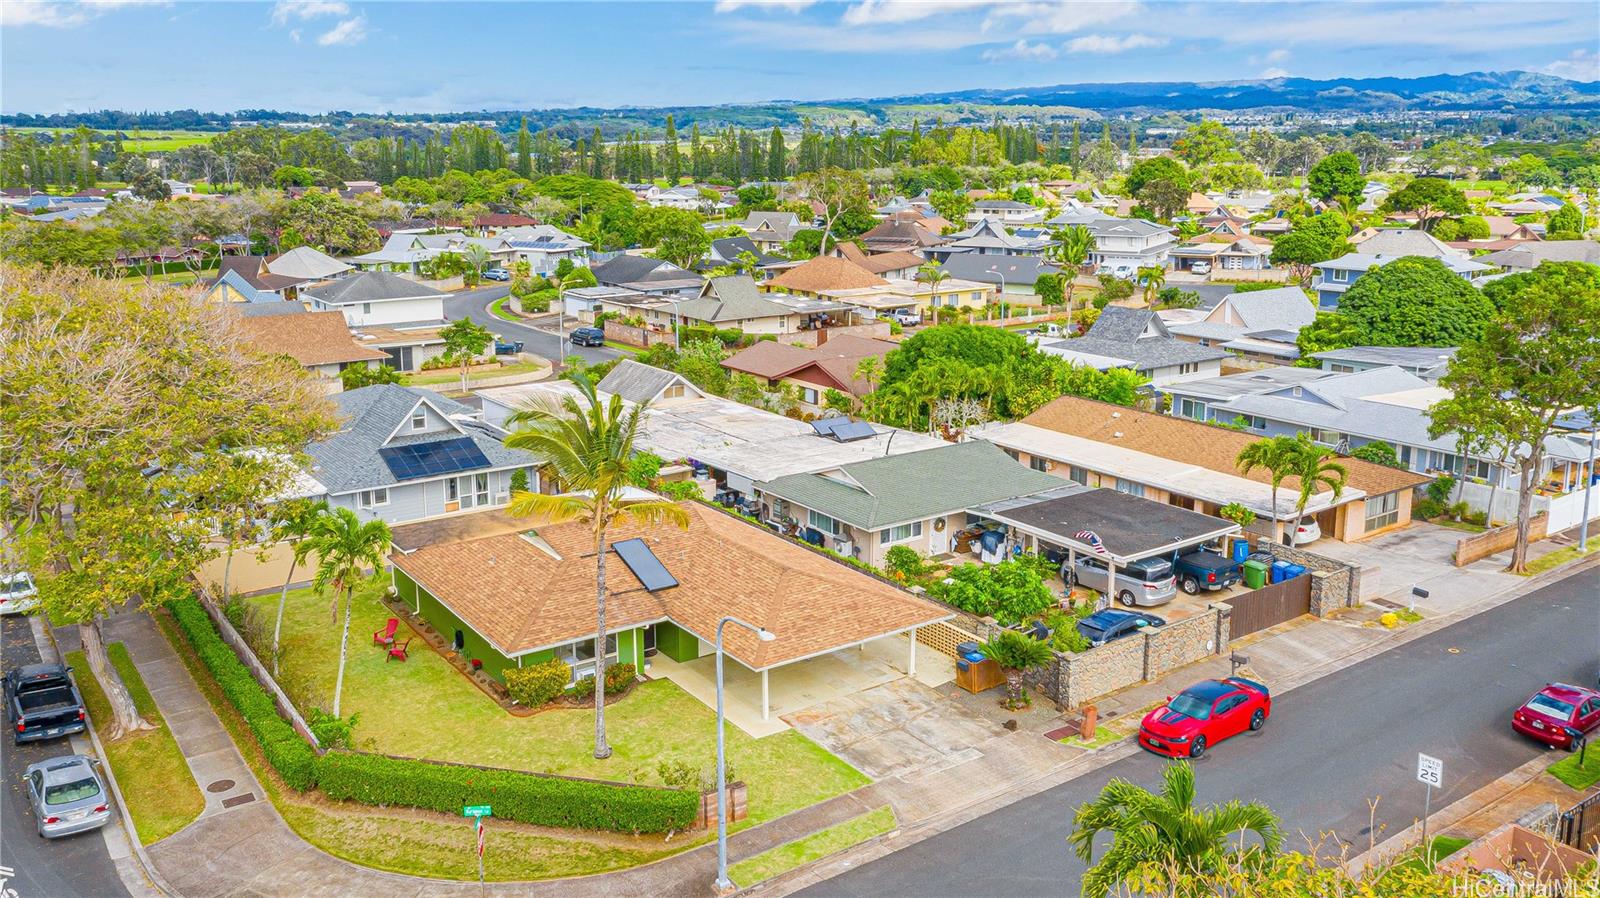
point(1420, 555)
point(900, 728)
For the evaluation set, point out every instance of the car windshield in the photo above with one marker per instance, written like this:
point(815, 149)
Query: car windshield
point(1190, 706)
point(67, 793)
point(1553, 707)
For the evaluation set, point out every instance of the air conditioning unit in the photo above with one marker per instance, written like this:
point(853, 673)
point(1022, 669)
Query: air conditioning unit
point(844, 547)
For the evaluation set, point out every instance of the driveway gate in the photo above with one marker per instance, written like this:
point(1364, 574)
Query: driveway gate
point(1271, 604)
point(1579, 825)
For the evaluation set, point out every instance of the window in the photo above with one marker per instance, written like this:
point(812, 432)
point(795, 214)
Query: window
point(1338, 275)
point(901, 533)
point(419, 419)
point(366, 308)
point(674, 391)
point(1078, 475)
point(1342, 369)
point(375, 498)
point(1476, 467)
point(480, 488)
point(1188, 367)
point(819, 521)
point(1383, 511)
point(1331, 437)
point(1297, 392)
point(808, 395)
point(1192, 408)
point(1038, 464)
point(1256, 422)
point(1130, 487)
point(1015, 456)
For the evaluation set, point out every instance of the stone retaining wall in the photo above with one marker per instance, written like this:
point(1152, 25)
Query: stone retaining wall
point(1072, 679)
point(1339, 583)
point(1489, 542)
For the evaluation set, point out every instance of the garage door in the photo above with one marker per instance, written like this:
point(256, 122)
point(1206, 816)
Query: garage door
point(1271, 604)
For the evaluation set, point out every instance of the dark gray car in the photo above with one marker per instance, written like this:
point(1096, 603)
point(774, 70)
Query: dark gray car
point(67, 796)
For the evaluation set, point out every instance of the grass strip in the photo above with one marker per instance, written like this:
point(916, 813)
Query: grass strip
point(818, 845)
point(1578, 777)
point(1559, 557)
point(155, 781)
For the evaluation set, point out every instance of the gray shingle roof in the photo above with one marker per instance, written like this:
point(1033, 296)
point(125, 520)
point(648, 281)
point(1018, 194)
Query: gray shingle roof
point(1121, 333)
point(914, 486)
point(371, 286)
point(1406, 242)
point(1015, 269)
point(637, 382)
point(731, 298)
point(349, 460)
point(1416, 357)
point(1528, 256)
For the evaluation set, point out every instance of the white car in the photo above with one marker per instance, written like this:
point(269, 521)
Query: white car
point(17, 593)
point(906, 317)
point(1123, 271)
point(1201, 268)
point(1307, 531)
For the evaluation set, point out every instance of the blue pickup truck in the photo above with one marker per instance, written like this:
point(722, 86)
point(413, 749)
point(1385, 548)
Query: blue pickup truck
point(42, 702)
point(1204, 571)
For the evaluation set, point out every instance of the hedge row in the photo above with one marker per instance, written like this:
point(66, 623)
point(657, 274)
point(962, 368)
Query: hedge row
point(288, 754)
point(524, 797)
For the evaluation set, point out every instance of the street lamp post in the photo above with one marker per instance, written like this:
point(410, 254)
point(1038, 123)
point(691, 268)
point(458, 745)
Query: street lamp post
point(1588, 488)
point(995, 270)
point(724, 884)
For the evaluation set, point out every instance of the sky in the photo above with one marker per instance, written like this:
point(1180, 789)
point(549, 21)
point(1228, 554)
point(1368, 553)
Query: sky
point(395, 56)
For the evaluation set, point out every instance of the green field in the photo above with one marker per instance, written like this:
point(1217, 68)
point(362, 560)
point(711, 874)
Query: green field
point(148, 141)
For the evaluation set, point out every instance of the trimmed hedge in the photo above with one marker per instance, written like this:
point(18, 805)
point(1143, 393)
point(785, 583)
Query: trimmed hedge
point(537, 684)
point(523, 797)
point(290, 755)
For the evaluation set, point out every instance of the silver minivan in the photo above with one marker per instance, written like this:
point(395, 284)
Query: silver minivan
point(67, 796)
point(1148, 581)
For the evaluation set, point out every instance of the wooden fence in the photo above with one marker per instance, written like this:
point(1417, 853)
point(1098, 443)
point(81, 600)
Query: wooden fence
point(1272, 604)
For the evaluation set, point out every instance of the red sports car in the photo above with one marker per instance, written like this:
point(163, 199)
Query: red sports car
point(1205, 714)
point(1553, 710)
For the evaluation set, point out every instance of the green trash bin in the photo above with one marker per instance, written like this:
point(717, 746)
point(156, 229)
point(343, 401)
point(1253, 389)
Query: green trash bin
point(1255, 574)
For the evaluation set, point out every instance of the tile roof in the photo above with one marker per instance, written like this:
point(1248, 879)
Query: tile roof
point(312, 338)
point(1191, 442)
point(914, 486)
point(826, 273)
point(810, 603)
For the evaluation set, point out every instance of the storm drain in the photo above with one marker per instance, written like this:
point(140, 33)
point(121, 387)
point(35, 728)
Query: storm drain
point(237, 800)
point(220, 786)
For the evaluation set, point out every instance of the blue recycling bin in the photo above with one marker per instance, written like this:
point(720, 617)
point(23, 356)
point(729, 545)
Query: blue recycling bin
point(1241, 551)
point(1294, 571)
point(1280, 571)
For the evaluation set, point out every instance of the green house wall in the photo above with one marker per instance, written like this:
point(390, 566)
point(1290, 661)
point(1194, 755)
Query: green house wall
point(676, 643)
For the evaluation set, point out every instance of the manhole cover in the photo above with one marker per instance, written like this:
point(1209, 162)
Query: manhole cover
point(237, 800)
point(220, 786)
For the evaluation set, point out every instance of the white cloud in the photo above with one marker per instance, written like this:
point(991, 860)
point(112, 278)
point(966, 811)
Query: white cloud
point(1275, 72)
point(1278, 55)
point(1581, 65)
point(307, 9)
point(887, 12)
point(349, 31)
point(1021, 51)
point(61, 13)
point(1110, 43)
point(790, 5)
point(1062, 17)
point(294, 35)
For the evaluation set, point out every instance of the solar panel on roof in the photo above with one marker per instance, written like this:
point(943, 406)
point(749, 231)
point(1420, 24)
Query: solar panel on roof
point(825, 426)
point(429, 459)
point(855, 430)
point(644, 564)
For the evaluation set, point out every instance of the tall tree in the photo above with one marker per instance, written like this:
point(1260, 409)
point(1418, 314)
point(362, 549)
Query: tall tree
point(1536, 359)
point(464, 341)
point(673, 162)
point(1415, 301)
point(346, 548)
point(1277, 456)
point(589, 447)
point(838, 191)
point(1311, 467)
point(1165, 830)
point(777, 164)
point(524, 150)
point(1077, 146)
point(1430, 198)
point(122, 409)
point(1337, 177)
point(1071, 250)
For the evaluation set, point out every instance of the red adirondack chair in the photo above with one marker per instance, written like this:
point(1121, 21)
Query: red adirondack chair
point(399, 651)
point(385, 637)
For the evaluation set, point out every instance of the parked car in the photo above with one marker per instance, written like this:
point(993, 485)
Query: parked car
point(1307, 531)
point(1126, 272)
point(906, 317)
point(1148, 581)
point(1204, 570)
point(1205, 714)
point(588, 336)
point(1046, 330)
point(496, 274)
point(67, 796)
point(1110, 624)
point(18, 593)
point(1554, 710)
point(502, 346)
point(42, 702)
point(1201, 268)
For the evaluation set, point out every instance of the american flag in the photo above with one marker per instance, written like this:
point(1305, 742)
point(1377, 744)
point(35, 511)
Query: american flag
point(1092, 540)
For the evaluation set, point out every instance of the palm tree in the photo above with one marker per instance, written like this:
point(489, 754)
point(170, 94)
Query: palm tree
point(1167, 832)
point(1016, 653)
point(1310, 464)
point(870, 370)
point(346, 547)
point(933, 274)
point(588, 447)
point(1154, 277)
point(293, 522)
point(1070, 251)
point(477, 258)
point(1275, 455)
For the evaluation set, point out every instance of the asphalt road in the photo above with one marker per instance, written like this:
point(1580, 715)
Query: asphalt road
point(474, 304)
point(1330, 746)
point(43, 868)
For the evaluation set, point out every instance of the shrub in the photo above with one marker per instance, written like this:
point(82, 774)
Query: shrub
point(515, 795)
point(1237, 513)
point(905, 564)
point(1439, 490)
point(288, 754)
point(679, 490)
point(729, 336)
point(537, 684)
point(683, 775)
point(620, 677)
point(519, 480)
point(583, 689)
point(1010, 591)
point(332, 732)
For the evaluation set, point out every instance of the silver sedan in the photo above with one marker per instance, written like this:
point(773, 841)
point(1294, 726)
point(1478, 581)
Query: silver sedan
point(67, 796)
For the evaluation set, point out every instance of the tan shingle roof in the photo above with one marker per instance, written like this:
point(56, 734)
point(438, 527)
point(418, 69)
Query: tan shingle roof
point(837, 358)
point(1191, 442)
point(521, 598)
point(826, 273)
point(314, 338)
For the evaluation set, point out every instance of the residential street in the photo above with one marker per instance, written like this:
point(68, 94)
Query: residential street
point(76, 865)
point(474, 304)
point(1330, 746)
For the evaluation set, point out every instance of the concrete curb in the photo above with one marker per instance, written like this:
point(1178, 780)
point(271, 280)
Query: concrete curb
point(908, 835)
point(153, 877)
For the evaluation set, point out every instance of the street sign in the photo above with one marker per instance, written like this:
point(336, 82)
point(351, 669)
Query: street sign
point(1430, 770)
point(480, 840)
point(477, 810)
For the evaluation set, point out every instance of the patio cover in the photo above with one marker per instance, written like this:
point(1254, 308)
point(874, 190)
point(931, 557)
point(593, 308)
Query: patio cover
point(1129, 527)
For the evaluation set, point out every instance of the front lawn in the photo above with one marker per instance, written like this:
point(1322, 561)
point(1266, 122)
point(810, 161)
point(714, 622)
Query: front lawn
point(425, 708)
point(150, 770)
point(1568, 771)
point(814, 847)
point(476, 372)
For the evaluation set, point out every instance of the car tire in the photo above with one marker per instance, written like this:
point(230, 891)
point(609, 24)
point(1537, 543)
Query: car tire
point(1191, 586)
point(1126, 598)
point(1258, 720)
point(1197, 749)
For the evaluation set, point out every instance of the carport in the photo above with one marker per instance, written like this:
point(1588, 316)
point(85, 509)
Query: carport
point(1114, 527)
